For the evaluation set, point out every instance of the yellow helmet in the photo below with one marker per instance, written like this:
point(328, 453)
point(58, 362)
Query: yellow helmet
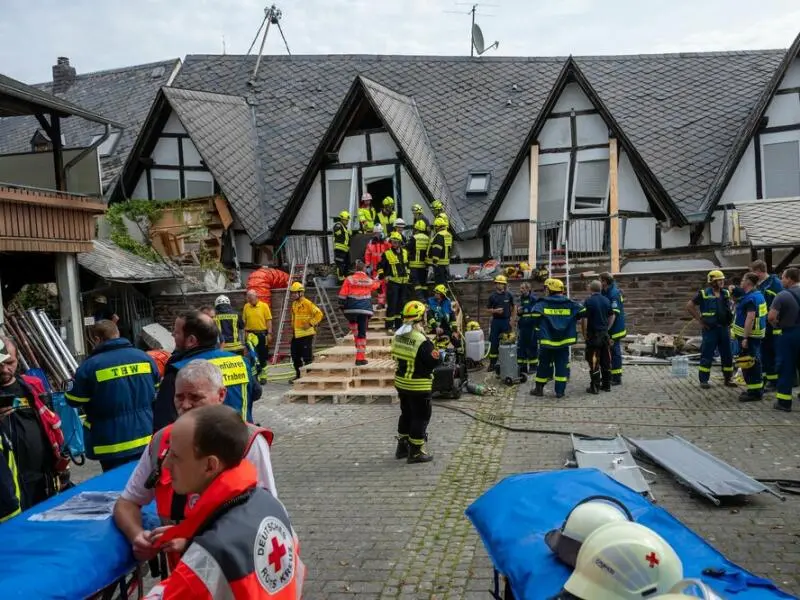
point(420, 225)
point(413, 311)
point(715, 275)
point(416, 208)
point(440, 289)
point(439, 222)
point(473, 326)
point(524, 266)
point(437, 205)
point(554, 285)
point(501, 279)
point(745, 362)
point(344, 215)
point(388, 202)
point(297, 287)
point(395, 237)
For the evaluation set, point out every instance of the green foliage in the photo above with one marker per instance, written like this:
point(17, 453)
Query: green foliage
point(33, 295)
point(138, 211)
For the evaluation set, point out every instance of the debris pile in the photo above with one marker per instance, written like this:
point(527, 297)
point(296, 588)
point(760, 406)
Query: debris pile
point(660, 345)
point(39, 346)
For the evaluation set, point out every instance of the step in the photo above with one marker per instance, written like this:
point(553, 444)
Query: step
point(347, 353)
point(329, 369)
point(373, 339)
point(363, 395)
point(321, 384)
point(373, 380)
point(380, 365)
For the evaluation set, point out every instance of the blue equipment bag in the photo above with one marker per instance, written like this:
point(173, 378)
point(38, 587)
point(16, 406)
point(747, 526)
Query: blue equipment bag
point(71, 423)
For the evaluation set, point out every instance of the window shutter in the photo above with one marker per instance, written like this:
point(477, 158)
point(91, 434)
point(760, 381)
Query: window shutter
point(591, 186)
point(552, 193)
point(782, 170)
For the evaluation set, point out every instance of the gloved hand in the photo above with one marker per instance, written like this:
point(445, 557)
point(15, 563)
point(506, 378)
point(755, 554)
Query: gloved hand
point(738, 581)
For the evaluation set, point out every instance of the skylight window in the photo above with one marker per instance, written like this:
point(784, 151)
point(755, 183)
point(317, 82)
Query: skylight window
point(107, 147)
point(478, 182)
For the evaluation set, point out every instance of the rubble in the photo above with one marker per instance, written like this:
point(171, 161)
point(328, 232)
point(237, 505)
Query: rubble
point(158, 337)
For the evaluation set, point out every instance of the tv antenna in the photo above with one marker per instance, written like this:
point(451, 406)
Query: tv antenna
point(272, 16)
point(476, 43)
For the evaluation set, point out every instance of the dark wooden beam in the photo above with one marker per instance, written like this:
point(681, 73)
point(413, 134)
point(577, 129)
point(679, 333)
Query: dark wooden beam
point(787, 260)
point(759, 178)
point(570, 149)
point(58, 153)
point(768, 259)
point(753, 254)
point(697, 233)
point(791, 90)
point(780, 129)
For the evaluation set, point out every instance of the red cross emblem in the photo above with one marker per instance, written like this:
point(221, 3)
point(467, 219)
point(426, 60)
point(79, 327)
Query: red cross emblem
point(278, 552)
point(650, 558)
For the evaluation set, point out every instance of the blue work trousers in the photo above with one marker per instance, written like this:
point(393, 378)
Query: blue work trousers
point(752, 376)
point(553, 360)
point(616, 361)
point(715, 339)
point(527, 347)
point(768, 363)
point(787, 350)
point(498, 327)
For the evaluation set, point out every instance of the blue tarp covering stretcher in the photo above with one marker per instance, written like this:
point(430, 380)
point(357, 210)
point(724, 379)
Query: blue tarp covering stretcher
point(513, 517)
point(56, 559)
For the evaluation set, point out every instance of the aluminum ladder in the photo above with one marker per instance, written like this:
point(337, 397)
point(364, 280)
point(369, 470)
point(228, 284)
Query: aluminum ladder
point(331, 316)
point(283, 336)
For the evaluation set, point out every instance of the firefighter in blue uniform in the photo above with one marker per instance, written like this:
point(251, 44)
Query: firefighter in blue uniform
point(770, 286)
point(712, 309)
point(440, 311)
point(749, 327)
point(556, 320)
point(230, 325)
point(784, 315)
point(527, 349)
point(115, 386)
point(598, 320)
point(501, 306)
point(617, 330)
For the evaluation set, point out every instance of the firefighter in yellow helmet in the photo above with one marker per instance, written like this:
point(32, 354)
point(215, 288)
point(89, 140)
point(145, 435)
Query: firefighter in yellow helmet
point(394, 269)
point(366, 214)
point(416, 359)
point(439, 251)
point(341, 245)
point(419, 217)
point(711, 307)
point(387, 215)
point(417, 247)
point(501, 306)
point(305, 317)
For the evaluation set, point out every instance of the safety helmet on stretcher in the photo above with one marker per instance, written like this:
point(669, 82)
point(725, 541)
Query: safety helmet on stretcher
point(690, 588)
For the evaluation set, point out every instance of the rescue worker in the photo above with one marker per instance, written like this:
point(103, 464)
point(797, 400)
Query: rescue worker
point(419, 217)
point(501, 306)
point(115, 386)
point(387, 215)
point(416, 359)
point(438, 212)
point(440, 311)
point(439, 251)
point(527, 347)
point(617, 331)
point(372, 258)
point(712, 309)
point(198, 384)
point(230, 325)
point(10, 502)
point(749, 327)
point(366, 213)
point(394, 269)
point(556, 318)
point(770, 286)
point(341, 245)
point(102, 312)
point(257, 318)
point(355, 300)
point(598, 319)
point(399, 226)
point(241, 542)
point(417, 247)
point(784, 315)
point(305, 317)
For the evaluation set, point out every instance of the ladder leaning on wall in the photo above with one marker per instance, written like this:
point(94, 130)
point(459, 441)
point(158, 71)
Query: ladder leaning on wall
point(558, 264)
point(329, 310)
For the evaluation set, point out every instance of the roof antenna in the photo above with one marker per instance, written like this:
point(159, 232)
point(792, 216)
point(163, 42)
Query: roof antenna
point(272, 16)
point(223, 45)
point(476, 43)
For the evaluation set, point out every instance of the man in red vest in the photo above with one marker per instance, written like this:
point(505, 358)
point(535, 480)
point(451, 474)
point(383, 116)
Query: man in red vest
point(199, 383)
point(241, 542)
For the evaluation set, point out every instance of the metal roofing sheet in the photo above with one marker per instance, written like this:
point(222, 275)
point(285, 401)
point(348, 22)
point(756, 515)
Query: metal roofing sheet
point(771, 223)
point(112, 263)
point(612, 456)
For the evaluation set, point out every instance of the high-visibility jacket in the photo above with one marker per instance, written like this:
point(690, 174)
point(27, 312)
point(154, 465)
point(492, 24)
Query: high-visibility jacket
point(423, 220)
point(341, 237)
point(394, 266)
point(115, 386)
point(556, 319)
point(770, 288)
point(242, 545)
point(230, 325)
point(753, 301)
point(709, 306)
point(366, 217)
point(10, 495)
point(525, 314)
point(418, 250)
point(614, 294)
point(416, 358)
point(242, 389)
point(439, 249)
point(387, 222)
point(374, 252)
point(305, 317)
point(355, 295)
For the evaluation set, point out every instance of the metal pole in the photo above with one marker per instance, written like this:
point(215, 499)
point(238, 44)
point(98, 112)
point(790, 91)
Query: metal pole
point(59, 343)
point(52, 346)
point(263, 41)
point(566, 262)
point(472, 33)
point(62, 371)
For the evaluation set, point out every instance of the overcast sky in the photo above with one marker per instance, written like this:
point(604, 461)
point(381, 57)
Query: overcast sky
point(105, 34)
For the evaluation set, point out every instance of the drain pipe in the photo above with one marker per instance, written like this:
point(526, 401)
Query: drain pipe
point(92, 146)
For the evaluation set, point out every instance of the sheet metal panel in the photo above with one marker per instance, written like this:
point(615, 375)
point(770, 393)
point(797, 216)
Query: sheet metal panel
point(610, 455)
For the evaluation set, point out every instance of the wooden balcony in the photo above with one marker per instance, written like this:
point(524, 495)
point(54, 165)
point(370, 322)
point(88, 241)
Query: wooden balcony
point(35, 220)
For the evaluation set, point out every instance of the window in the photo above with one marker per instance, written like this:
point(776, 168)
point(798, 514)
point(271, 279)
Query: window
point(198, 184)
point(552, 192)
point(166, 184)
point(782, 169)
point(478, 182)
point(107, 147)
point(591, 186)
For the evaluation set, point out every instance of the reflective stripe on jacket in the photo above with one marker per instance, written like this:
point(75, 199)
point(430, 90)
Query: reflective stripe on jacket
point(770, 288)
point(556, 320)
point(709, 305)
point(418, 250)
point(366, 217)
point(10, 496)
point(355, 295)
point(394, 266)
point(387, 222)
point(305, 317)
point(341, 238)
point(230, 324)
point(525, 314)
point(374, 252)
point(753, 301)
point(614, 294)
point(439, 249)
point(416, 359)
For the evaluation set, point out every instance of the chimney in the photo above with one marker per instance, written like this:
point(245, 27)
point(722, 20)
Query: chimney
point(63, 75)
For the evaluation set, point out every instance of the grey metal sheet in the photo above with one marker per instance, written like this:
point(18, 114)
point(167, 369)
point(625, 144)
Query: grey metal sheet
point(700, 470)
point(610, 455)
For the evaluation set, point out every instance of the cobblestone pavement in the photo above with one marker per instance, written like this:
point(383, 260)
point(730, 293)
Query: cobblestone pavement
point(372, 527)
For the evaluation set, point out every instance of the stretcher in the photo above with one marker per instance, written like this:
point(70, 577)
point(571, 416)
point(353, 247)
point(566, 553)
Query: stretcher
point(69, 559)
point(513, 517)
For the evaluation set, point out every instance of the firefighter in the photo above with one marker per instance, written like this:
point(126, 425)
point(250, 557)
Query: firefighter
point(230, 325)
point(439, 251)
point(711, 307)
point(501, 305)
point(419, 217)
point(440, 311)
point(366, 213)
point(416, 359)
point(617, 331)
point(355, 300)
point(438, 213)
point(417, 247)
point(749, 327)
point(527, 347)
point(598, 320)
point(341, 245)
point(305, 317)
point(373, 254)
point(556, 319)
point(399, 226)
point(394, 269)
point(387, 215)
point(770, 286)
point(784, 315)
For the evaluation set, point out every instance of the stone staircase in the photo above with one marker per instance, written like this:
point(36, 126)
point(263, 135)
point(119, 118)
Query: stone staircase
point(334, 378)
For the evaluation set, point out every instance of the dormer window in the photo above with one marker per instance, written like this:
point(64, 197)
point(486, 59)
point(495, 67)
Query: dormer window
point(478, 182)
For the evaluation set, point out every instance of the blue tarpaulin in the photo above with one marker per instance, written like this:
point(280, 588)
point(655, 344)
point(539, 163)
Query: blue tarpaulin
point(65, 560)
point(513, 517)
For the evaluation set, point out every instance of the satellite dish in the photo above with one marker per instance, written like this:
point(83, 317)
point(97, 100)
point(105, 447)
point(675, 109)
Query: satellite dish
point(477, 39)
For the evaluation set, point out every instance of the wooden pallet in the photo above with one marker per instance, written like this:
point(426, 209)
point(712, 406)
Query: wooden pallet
point(363, 395)
point(329, 369)
point(321, 384)
point(373, 380)
point(347, 353)
point(373, 339)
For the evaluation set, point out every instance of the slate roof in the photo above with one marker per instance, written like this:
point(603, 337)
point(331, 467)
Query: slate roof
point(112, 263)
point(682, 112)
point(124, 95)
point(223, 130)
point(771, 223)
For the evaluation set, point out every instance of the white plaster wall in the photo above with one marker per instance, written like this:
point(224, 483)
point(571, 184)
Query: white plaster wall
point(353, 149)
point(631, 194)
point(411, 195)
point(714, 228)
point(140, 191)
point(572, 98)
point(676, 237)
point(382, 146)
point(166, 151)
point(468, 249)
point(555, 134)
point(244, 251)
point(591, 129)
point(742, 185)
point(516, 204)
point(309, 218)
point(174, 124)
point(784, 109)
point(640, 234)
point(191, 157)
point(792, 77)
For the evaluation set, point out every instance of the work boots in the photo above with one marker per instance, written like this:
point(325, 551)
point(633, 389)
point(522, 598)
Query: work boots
point(402, 447)
point(593, 389)
point(418, 454)
point(594, 386)
point(538, 389)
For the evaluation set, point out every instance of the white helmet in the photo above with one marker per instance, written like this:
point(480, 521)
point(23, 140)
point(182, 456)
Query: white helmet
point(378, 228)
point(223, 299)
point(399, 223)
point(624, 561)
point(690, 588)
point(587, 516)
